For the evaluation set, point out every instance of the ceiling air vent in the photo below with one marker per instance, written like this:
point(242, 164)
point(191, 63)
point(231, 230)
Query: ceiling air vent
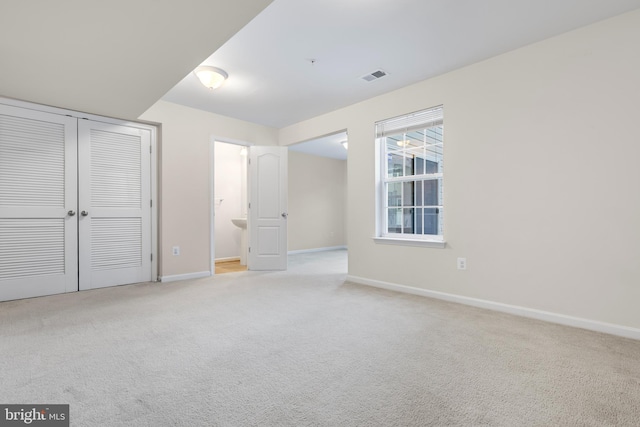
point(374, 76)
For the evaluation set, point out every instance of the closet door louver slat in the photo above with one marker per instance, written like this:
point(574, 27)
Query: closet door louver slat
point(31, 163)
point(116, 243)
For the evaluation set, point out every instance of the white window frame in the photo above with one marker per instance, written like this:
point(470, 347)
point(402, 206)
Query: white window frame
point(401, 125)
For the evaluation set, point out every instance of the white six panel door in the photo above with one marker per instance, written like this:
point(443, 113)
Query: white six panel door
point(114, 204)
point(38, 197)
point(268, 199)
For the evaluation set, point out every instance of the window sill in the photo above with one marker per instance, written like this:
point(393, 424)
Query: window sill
point(411, 242)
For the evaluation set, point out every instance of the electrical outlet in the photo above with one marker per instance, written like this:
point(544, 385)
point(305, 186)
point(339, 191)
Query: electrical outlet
point(462, 263)
point(176, 250)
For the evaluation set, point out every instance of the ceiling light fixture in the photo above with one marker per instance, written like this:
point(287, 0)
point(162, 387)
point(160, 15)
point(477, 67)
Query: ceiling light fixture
point(211, 77)
point(345, 144)
point(403, 142)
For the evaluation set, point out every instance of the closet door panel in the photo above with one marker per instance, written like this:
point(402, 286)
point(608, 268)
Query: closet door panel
point(114, 191)
point(38, 198)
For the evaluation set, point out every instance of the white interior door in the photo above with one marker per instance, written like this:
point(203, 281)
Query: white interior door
point(114, 218)
point(267, 219)
point(38, 196)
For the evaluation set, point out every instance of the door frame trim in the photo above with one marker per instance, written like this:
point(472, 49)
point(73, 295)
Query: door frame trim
point(154, 128)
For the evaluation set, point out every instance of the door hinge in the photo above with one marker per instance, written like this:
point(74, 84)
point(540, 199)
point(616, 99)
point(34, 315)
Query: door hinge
point(149, 149)
point(249, 249)
point(150, 203)
point(249, 205)
point(151, 257)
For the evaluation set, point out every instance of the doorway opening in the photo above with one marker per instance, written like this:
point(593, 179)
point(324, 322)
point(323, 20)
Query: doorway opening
point(264, 228)
point(229, 207)
point(318, 194)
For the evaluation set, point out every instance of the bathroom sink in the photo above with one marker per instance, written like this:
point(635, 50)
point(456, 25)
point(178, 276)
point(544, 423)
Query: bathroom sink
point(240, 222)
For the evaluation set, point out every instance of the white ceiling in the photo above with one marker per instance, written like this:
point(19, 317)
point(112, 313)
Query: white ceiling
point(113, 57)
point(326, 146)
point(273, 82)
point(118, 57)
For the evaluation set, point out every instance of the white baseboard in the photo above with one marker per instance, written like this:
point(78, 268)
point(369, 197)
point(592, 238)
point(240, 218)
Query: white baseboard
point(186, 276)
point(577, 322)
point(306, 251)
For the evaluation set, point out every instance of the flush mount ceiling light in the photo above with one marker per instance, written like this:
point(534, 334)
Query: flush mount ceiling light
point(211, 77)
point(345, 144)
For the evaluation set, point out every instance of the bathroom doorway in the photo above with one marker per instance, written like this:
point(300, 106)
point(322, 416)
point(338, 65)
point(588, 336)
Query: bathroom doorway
point(229, 207)
point(238, 171)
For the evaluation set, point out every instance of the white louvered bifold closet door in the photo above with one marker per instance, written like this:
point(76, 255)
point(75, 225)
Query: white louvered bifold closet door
point(114, 204)
point(38, 197)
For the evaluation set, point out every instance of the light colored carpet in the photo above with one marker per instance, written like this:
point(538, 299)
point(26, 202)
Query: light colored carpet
point(303, 348)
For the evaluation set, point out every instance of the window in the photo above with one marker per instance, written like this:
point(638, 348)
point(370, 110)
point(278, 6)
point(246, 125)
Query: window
point(409, 195)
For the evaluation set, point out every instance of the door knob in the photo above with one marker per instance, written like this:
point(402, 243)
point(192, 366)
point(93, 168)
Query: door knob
point(285, 215)
point(84, 213)
point(71, 213)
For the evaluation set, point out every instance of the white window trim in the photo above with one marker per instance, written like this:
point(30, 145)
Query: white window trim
point(431, 242)
point(416, 240)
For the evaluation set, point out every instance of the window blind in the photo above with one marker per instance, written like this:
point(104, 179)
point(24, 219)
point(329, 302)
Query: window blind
point(409, 122)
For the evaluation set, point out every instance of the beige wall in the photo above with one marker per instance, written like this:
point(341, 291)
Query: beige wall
point(184, 177)
point(541, 177)
point(317, 202)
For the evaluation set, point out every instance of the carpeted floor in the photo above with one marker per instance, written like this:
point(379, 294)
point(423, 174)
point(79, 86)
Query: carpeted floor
point(303, 348)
